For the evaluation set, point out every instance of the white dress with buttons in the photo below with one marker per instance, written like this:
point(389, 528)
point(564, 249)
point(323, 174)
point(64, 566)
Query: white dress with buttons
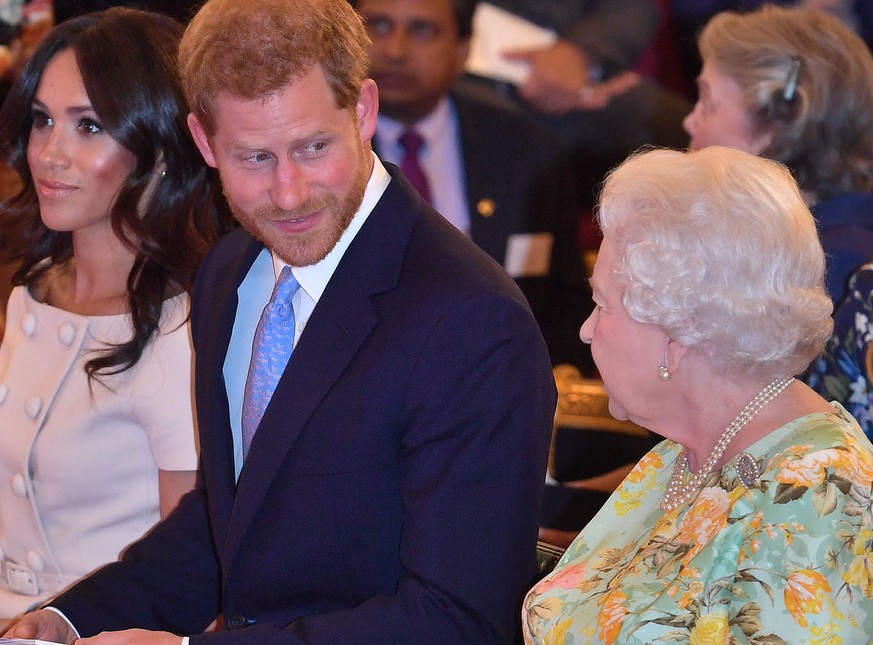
point(79, 461)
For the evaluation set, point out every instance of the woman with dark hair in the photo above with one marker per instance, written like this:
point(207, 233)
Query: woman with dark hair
point(115, 212)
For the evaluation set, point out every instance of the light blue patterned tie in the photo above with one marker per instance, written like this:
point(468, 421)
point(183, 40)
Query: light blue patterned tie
point(271, 349)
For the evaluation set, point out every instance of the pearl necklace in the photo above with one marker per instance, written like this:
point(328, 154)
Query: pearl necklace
point(680, 490)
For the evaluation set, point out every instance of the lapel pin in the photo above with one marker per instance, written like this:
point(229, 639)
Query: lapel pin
point(485, 207)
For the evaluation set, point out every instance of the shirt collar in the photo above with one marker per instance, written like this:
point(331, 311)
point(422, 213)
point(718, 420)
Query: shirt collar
point(434, 127)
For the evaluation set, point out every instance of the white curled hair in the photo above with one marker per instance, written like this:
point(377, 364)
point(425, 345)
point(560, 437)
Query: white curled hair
point(718, 249)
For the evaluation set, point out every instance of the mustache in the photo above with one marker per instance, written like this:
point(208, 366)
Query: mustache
point(306, 208)
point(271, 212)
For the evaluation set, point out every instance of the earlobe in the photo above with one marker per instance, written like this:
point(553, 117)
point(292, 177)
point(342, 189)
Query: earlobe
point(674, 352)
point(463, 53)
point(367, 109)
point(198, 133)
point(160, 166)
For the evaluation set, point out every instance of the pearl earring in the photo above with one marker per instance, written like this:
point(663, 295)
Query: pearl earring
point(663, 372)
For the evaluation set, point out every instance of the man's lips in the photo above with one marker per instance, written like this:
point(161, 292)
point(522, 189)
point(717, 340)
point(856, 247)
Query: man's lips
point(300, 223)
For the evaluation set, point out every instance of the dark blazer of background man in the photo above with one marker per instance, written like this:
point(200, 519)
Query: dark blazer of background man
point(391, 493)
point(522, 207)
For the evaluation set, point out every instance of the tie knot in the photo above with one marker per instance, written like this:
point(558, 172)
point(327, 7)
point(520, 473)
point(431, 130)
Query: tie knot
point(286, 287)
point(411, 141)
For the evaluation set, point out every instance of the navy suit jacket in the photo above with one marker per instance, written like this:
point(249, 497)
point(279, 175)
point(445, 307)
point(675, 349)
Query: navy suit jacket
point(392, 491)
point(517, 185)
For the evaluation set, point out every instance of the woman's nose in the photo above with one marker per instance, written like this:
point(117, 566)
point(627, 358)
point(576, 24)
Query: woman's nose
point(586, 332)
point(53, 151)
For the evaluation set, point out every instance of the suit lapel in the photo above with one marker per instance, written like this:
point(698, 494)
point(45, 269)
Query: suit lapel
point(212, 412)
point(341, 322)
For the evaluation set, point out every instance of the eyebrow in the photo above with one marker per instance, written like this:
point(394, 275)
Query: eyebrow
point(594, 287)
point(243, 146)
point(76, 109)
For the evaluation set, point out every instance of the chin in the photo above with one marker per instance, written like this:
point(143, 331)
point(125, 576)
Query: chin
point(616, 410)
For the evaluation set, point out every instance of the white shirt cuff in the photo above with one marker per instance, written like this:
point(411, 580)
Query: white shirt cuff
point(66, 620)
point(76, 631)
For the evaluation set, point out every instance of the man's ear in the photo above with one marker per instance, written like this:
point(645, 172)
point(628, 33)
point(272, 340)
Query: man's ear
point(201, 139)
point(462, 53)
point(367, 109)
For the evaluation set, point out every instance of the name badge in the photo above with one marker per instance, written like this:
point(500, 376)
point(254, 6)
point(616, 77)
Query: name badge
point(529, 255)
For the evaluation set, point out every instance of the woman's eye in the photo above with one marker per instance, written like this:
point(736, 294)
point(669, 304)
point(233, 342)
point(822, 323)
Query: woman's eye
point(40, 119)
point(90, 126)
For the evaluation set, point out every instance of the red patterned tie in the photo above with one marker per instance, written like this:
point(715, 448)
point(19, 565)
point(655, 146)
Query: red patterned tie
point(411, 143)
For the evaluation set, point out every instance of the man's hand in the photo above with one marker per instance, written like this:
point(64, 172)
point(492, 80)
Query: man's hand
point(560, 80)
point(43, 625)
point(132, 637)
point(557, 73)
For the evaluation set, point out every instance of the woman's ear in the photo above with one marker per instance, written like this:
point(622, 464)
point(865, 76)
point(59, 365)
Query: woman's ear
point(159, 172)
point(674, 353)
point(161, 166)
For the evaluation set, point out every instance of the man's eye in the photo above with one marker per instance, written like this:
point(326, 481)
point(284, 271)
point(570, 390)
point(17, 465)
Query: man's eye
point(378, 27)
point(423, 30)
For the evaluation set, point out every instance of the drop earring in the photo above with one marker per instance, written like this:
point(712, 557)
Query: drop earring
point(663, 372)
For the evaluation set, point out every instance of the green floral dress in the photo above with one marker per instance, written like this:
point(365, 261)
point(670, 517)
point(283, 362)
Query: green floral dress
point(786, 561)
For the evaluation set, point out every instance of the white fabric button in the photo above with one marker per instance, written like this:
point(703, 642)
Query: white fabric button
point(35, 561)
point(28, 324)
point(19, 486)
point(32, 406)
point(4, 390)
point(67, 333)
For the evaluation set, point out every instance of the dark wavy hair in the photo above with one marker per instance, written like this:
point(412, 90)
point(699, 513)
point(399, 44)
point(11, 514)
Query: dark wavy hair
point(127, 59)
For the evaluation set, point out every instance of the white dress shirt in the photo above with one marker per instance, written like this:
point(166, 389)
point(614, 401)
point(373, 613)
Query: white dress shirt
point(440, 158)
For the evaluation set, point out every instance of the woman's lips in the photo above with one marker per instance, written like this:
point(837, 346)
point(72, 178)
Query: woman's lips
point(54, 188)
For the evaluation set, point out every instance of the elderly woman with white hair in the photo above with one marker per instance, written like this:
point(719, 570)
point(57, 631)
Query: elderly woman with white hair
point(753, 520)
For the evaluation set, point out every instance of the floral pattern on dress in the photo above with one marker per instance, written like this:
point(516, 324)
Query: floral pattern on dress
point(839, 373)
point(789, 560)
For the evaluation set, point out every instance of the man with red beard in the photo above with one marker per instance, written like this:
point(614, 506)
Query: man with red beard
point(390, 493)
